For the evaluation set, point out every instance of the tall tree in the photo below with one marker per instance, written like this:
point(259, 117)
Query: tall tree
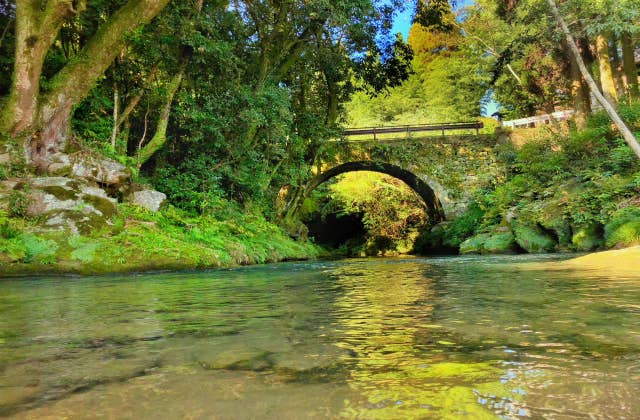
point(624, 130)
point(41, 118)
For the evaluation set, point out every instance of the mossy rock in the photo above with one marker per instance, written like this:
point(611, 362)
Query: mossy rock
point(490, 243)
point(624, 229)
point(501, 243)
point(475, 244)
point(533, 239)
point(587, 238)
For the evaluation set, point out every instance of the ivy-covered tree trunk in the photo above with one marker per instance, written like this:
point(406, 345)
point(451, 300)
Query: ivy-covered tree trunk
point(36, 29)
point(160, 137)
point(629, 66)
point(42, 121)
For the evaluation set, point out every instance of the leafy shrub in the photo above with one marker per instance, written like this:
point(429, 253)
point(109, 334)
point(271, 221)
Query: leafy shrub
point(624, 228)
point(18, 203)
point(464, 226)
point(38, 250)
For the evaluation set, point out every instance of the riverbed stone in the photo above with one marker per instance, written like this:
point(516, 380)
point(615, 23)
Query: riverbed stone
point(149, 199)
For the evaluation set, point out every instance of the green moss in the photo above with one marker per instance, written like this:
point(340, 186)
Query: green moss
point(60, 192)
point(142, 241)
point(489, 243)
point(587, 238)
point(533, 239)
point(500, 243)
point(475, 244)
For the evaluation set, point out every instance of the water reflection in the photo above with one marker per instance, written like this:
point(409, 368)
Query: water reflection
point(406, 363)
point(442, 338)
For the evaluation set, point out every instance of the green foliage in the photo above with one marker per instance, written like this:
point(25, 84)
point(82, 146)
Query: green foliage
point(624, 228)
point(18, 203)
point(28, 248)
point(84, 250)
point(392, 212)
point(560, 191)
point(445, 86)
point(463, 226)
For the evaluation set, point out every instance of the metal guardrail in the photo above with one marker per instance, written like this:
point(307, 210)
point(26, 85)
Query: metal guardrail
point(475, 125)
point(537, 119)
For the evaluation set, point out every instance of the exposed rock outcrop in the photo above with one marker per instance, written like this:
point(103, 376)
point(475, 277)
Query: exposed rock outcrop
point(149, 199)
point(89, 166)
point(62, 203)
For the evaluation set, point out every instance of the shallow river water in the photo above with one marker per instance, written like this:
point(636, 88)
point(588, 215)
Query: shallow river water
point(463, 337)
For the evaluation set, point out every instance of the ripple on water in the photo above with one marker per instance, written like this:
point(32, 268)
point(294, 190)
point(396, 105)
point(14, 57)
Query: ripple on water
point(367, 338)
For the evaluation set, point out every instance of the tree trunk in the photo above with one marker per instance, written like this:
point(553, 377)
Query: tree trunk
point(606, 70)
point(133, 103)
point(36, 29)
point(629, 66)
point(160, 137)
point(43, 121)
point(616, 64)
point(114, 131)
point(579, 91)
point(624, 130)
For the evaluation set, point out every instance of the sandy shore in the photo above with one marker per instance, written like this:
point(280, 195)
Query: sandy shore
point(622, 262)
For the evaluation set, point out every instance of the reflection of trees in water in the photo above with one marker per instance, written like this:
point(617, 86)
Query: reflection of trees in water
point(402, 363)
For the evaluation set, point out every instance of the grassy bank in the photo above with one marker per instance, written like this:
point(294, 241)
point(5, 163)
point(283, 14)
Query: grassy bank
point(138, 240)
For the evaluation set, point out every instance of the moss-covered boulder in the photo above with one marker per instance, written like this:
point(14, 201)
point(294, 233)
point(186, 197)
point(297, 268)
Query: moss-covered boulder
point(624, 228)
point(58, 203)
point(587, 237)
point(500, 241)
point(475, 244)
point(533, 239)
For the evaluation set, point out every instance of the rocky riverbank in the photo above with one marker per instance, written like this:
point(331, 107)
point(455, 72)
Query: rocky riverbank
point(89, 217)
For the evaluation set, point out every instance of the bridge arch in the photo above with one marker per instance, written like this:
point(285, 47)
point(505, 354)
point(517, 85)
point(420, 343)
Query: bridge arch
point(433, 204)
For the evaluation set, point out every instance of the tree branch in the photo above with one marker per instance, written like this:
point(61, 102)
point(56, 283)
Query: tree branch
point(77, 78)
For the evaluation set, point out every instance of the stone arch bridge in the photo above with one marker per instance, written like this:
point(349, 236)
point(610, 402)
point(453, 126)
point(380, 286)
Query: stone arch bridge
point(443, 170)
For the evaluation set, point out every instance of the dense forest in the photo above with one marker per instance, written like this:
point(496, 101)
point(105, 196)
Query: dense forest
point(227, 108)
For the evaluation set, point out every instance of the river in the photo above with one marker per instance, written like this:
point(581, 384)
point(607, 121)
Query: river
point(474, 337)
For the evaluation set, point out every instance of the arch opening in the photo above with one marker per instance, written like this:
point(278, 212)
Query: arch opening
point(434, 208)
